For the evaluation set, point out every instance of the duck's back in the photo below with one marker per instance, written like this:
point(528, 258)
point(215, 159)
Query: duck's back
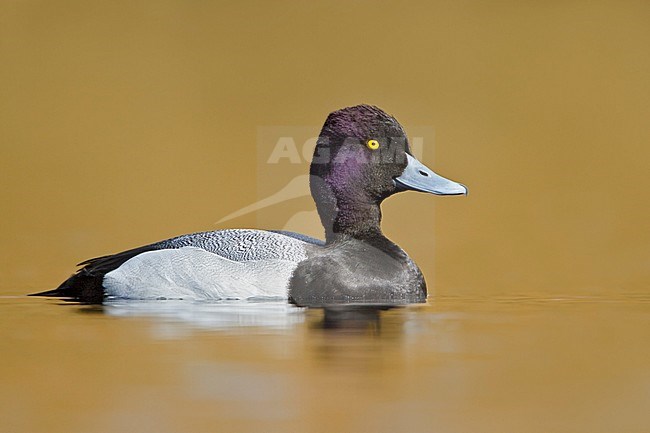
point(206, 265)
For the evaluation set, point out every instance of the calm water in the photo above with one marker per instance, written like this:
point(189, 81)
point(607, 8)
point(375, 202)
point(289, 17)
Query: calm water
point(127, 122)
point(452, 365)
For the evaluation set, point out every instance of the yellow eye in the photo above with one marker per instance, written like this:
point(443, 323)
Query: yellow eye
point(372, 144)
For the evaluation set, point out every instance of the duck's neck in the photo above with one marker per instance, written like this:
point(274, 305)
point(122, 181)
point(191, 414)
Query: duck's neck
point(357, 220)
point(357, 216)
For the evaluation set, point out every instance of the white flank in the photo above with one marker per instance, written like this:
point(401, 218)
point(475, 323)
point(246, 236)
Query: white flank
point(193, 273)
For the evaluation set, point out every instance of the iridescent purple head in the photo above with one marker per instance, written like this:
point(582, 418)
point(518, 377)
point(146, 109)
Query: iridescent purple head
point(362, 156)
point(359, 152)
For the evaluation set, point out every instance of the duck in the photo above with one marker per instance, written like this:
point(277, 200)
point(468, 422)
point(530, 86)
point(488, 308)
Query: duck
point(362, 156)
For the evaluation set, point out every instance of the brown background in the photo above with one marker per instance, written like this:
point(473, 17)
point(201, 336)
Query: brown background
point(126, 122)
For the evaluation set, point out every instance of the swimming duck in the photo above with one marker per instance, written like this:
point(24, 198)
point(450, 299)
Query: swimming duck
point(362, 157)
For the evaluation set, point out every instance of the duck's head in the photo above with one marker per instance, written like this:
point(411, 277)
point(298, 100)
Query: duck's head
point(362, 156)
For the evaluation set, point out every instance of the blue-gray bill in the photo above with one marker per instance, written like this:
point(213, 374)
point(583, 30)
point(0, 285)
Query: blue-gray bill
point(418, 177)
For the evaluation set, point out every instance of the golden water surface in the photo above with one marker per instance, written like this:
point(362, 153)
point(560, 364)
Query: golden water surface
point(127, 122)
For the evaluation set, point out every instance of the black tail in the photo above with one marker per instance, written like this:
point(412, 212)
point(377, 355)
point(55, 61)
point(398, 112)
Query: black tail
point(82, 286)
point(50, 293)
point(86, 284)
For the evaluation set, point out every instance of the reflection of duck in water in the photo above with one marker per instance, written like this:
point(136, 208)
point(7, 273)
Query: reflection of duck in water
point(361, 158)
point(352, 317)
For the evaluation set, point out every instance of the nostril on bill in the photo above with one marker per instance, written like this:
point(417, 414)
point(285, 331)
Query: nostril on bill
point(424, 173)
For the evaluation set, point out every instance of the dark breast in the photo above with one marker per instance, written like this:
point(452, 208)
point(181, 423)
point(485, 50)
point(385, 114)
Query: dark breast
point(363, 271)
